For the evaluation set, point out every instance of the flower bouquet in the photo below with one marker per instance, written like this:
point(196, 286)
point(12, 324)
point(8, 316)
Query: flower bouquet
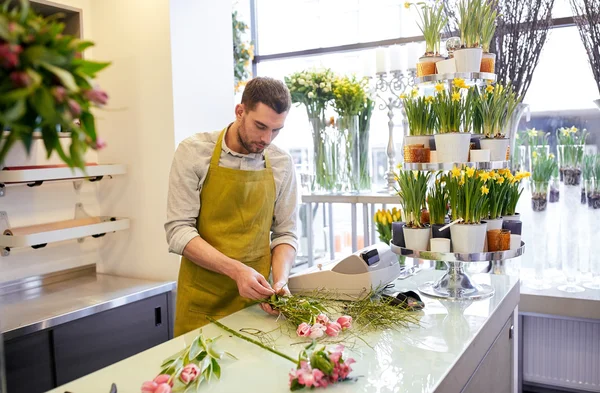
point(383, 222)
point(46, 86)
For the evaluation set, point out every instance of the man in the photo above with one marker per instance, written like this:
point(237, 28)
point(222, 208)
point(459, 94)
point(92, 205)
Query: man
point(227, 190)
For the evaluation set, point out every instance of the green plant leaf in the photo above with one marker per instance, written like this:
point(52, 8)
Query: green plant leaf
point(15, 112)
point(80, 45)
point(88, 123)
point(196, 349)
point(50, 138)
point(44, 104)
point(231, 356)
point(205, 364)
point(4, 32)
point(216, 368)
point(37, 54)
point(91, 67)
point(15, 95)
point(65, 76)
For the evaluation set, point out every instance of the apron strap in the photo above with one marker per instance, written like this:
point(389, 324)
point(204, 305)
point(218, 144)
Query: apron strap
point(216, 156)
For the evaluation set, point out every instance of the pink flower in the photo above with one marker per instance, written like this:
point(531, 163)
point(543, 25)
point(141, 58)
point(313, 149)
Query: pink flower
point(322, 319)
point(163, 378)
point(189, 373)
point(20, 78)
point(333, 329)
point(335, 357)
point(100, 144)
point(97, 96)
point(163, 388)
point(345, 322)
point(149, 387)
point(310, 377)
point(9, 55)
point(317, 330)
point(59, 93)
point(74, 107)
point(303, 330)
point(342, 370)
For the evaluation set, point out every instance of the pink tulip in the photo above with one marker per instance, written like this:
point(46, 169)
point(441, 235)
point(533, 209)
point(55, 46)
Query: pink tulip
point(20, 78)
point(59, 93)
point(333, 329)
point(74, 107)
point(9, 55)
point(189, 373)
point(163, 388)
point(345, 322)
point(97, 96)
point(163, 378)
point(322, 319)
point(303, 330)
point(149, 387)
point(317, 330)
point(100, 144)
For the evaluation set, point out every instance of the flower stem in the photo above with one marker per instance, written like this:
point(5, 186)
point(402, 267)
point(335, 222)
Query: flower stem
point(238, 335)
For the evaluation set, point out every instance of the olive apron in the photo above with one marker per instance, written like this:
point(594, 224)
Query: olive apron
point(235, 217)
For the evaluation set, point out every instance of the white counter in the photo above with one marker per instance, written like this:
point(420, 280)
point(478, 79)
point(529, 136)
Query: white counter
point(438, 356)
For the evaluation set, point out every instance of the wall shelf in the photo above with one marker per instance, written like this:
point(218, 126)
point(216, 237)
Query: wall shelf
point(35, 176)
point(38, 236)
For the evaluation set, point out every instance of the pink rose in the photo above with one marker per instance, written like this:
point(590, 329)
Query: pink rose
point(317, 330)
point(163, 378)
point(163, 388)
point(189, 373)
point(345, 322)
point(333, 329)
point(303, 330)
point(149, 387)
point(322, 319)
point(97, 96)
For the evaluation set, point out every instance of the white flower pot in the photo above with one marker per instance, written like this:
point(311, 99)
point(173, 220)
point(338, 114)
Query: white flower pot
point(498, 148)
point(417, 238)
point(453, 147)
point(468, 59)
point(481, 155)
point(468, 238)
point(447, 66)
point(417, 140)
point(514, 217)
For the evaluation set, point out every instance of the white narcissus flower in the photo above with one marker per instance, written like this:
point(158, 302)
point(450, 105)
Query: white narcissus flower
point(326, 90)
point(311, 94)
point(322, 85)
point(301, 81)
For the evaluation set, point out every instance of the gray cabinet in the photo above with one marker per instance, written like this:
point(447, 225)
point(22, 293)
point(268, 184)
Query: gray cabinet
point(495, 372)
point(41, 361)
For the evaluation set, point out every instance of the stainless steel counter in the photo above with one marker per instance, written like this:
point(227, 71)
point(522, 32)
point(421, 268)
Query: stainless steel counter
point(74, 297)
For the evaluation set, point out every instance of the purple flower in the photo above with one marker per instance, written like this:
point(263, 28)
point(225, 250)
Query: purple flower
point(9, 55)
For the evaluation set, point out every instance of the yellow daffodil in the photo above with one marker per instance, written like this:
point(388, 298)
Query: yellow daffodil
point(462, 180)
point(455, 172)
point(384, 220)
point(565, 132)
point(416, 174)
point(509, 176)
point(388, 216)
point(439, 87)
point(414, 92)
point(551, 155)
point(573, 129)
point(429, 99)
point(534, 155)
point(470, 172)
point(403, 96)
point(485, 176)
point(500, 180)
point(456, 96)
point(460, 83)
point(513, 180)
point(485, 190)
point(489, 89)
point(406, 5)
point(532, 133)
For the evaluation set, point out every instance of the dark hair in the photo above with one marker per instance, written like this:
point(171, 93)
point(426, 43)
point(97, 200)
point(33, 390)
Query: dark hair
point(269, 91)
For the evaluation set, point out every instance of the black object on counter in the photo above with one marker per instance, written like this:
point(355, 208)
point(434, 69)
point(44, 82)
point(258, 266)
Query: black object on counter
point(398, 233)
point(409, 300)
point(514, 226)
point(437, 234)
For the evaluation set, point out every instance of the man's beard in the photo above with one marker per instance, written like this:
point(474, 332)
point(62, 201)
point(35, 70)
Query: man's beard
point(245, 144)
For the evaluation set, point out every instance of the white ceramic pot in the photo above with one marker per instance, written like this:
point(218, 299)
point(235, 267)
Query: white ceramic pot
point(468, 59)
point(498, 148)
point(453, 147)
point(481, 155)
point(417, 140)
point(447, 66)
point(417, 238)
point(514, 217)
point(495, 223)
point(468, 238)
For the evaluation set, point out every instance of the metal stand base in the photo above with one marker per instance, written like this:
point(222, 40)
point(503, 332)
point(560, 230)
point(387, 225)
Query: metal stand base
point(456, 285)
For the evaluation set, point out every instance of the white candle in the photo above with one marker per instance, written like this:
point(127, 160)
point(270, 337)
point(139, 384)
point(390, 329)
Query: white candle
point(412, 55)
point(368, 62)
point(396, 58)
point(482, 155)
point(440, 245)
point(381, 60)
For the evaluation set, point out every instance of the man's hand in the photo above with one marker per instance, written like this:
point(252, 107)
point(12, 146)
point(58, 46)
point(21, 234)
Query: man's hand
point(251, 284)
point(281, 289)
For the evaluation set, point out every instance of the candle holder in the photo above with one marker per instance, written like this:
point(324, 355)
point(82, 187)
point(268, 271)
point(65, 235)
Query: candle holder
point(388, 88)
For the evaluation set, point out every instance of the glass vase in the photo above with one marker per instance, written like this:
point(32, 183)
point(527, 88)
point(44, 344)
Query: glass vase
point(569, 162)
point(325, 154)
point(537, 151)
point(364, 156)
point(349, 153)
point(593, 193)
point(554, 193)
point(594, 251)
point(539, 234)
point(570, 235)
point(539, 195)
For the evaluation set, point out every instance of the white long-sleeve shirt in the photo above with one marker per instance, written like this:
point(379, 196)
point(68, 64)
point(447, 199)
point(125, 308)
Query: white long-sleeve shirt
point(188, 172)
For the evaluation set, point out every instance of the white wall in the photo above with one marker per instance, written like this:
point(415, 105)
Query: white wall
point(202, 60)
